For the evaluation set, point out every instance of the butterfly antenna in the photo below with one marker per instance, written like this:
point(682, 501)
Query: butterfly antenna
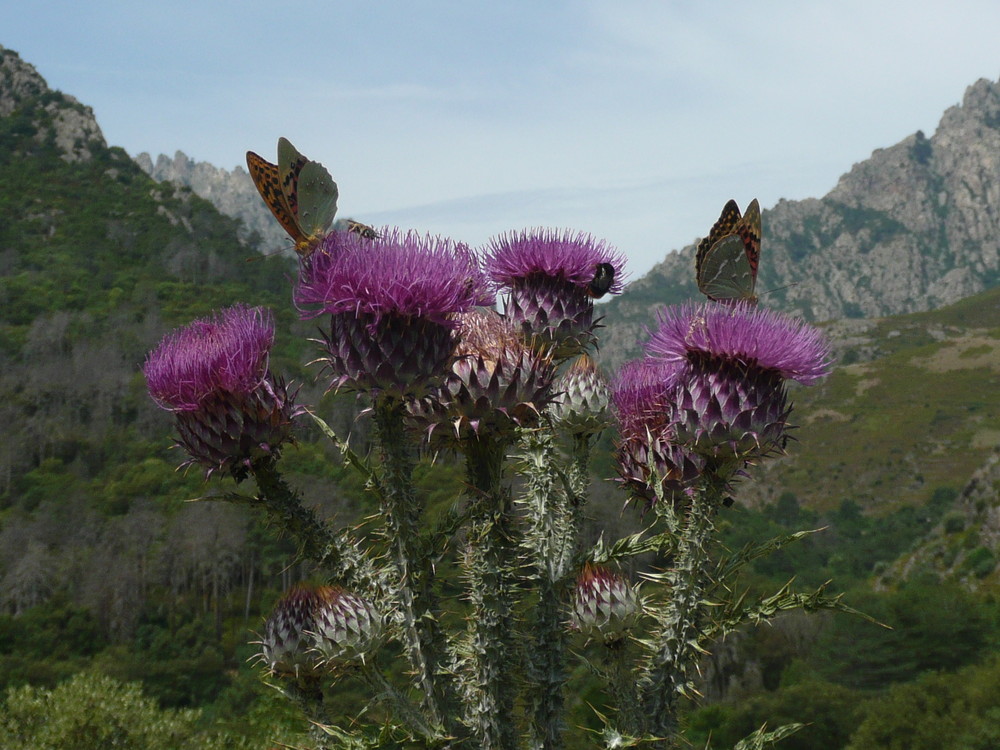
point(262, 256)
point(779, 288)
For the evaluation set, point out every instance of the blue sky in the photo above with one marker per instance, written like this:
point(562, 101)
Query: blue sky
point(632, 120)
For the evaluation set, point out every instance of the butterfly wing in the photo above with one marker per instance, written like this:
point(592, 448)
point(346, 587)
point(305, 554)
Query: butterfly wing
point(311, 195)
point(749, 231)
point(317, 194)
point(725, 273)
point(726, 224)
point(266, 178)
point(290, 164)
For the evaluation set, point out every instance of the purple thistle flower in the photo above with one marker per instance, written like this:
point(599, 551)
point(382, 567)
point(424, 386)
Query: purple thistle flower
point(641, 392)
point(399, 274)
point(573, 256)
point(393, 302)
point(754, 335)
point(213, 376)
point(552, 278)
point(227, 352)
point(730, 405)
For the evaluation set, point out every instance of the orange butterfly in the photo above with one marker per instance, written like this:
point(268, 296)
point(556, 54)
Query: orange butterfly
point(300, 193)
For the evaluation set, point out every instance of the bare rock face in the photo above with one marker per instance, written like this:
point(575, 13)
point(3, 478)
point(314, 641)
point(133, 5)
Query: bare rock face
point(57, 119)
point(18, 81)
point(914, 227)
point(232, 193)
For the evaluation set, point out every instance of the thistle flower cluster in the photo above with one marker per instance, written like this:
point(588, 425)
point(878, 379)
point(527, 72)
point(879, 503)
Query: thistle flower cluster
point(407, 320)
point(710, 394)
point(213, 376)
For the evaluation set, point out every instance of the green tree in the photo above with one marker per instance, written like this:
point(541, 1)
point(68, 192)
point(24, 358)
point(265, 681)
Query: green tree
point(830, 712)
point(933, 627)
point(94, 712)
point(937, 712)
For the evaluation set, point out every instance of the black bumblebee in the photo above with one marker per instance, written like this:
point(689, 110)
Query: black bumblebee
point(603, 279)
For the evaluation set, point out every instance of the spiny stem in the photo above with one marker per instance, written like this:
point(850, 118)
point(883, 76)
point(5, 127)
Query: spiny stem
point(551, 638)
point(622, 687)
point(552, 538)
point(579, 482)
point(490, 569)
point(401, 705)
point(675, 652)
point(316, 541)
point(402, 516)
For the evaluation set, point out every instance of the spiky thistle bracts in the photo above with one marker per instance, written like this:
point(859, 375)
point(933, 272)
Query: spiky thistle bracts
point(213, 376)
point(650, 464)
point(286, 647)
point(496, 384)
point(583, 398)
point(605, 604)
point(314, 629)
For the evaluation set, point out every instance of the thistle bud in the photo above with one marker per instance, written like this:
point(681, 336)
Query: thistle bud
point(346, 627)
point(496, 384)
point(583, 405)
point(605, 605)
point(287, 643)
point(313, 629)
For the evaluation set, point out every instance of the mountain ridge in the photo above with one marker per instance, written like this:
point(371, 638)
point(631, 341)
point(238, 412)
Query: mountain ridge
point(914, 227)
point(232, 192)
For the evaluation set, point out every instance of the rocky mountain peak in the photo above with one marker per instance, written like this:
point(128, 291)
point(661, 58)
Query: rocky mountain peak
point(18, 81)
point(231, 192)
point(56, 118)
point(981, 104)
point(914, 227)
